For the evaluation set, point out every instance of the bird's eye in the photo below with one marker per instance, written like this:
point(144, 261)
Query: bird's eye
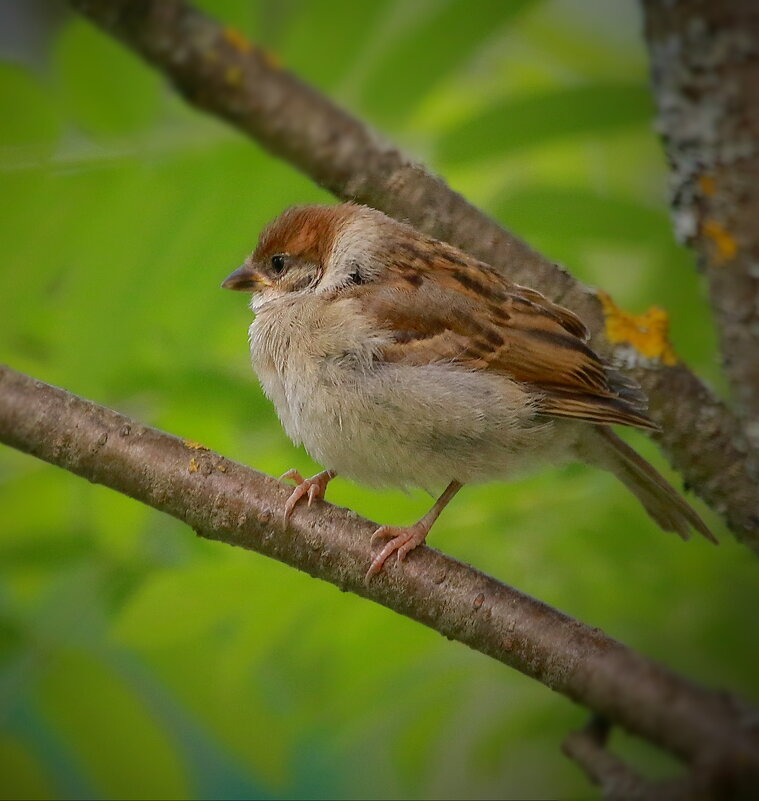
point(278, 263)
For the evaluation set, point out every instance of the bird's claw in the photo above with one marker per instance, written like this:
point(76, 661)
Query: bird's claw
point(402, 541)
point(381, 533)
point(292, 474)
point(313, 488)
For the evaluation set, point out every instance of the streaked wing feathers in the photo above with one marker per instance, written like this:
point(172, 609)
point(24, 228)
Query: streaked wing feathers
point(441, 305)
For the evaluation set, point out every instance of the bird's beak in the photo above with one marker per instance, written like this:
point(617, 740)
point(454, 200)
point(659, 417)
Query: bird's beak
point(245, 279)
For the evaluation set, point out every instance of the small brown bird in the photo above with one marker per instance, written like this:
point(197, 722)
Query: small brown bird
point(400, 361)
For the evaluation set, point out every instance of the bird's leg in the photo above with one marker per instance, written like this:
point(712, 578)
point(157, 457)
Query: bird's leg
point(406, 538)
point(313, 487)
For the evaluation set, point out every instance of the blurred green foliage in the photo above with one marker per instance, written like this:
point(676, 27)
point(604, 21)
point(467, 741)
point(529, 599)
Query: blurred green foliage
point(139, 662)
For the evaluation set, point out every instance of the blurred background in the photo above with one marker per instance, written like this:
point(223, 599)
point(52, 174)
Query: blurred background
point(137, 661)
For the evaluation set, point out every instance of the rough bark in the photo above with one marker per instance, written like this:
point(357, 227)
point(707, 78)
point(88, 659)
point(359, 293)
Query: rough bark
point(705, 76)
point(225, 501)
point(217, 69)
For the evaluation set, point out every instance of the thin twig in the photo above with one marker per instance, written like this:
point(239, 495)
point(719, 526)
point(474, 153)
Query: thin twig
point(219, 70)
point(617, 780)
point(225, 501)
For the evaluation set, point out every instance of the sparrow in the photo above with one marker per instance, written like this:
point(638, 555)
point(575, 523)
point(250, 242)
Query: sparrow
point(398, 360)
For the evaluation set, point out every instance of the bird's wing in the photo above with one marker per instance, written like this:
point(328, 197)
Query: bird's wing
point(459, 310)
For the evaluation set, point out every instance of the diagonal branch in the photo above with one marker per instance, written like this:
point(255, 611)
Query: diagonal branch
point(619, 782)
point(705, 73)
point(217, 69)
point(225, 501)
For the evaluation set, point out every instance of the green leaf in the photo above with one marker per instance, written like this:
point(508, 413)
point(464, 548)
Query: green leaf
point(320, 50)
point(104, 87)
point(24, 775)
point(573, 214)
point(535, 119)
point(240, 13)
point(426, 48)
point(29, 117)
point(179, 605)
point(106, 724)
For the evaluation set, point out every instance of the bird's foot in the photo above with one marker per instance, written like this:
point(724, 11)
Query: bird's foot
point(402, 540)
point(313, 488)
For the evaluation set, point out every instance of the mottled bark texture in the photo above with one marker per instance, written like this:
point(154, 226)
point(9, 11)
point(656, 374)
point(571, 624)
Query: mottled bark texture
point(225, 501)
point(705, 71)
point(217, 69)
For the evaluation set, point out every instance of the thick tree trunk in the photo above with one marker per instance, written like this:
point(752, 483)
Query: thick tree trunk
point(705, 69)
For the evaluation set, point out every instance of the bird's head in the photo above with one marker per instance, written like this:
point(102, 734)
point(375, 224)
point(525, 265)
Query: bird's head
point(305, 248)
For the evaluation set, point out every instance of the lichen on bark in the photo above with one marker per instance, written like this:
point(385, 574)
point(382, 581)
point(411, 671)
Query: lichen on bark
point(705, 77)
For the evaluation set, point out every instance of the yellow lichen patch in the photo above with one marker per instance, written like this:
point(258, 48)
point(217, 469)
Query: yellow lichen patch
point(237, 40)
point(194, 465)
point(233, 76)
point(708, 185)
point(271, 60)
point(243, 45)
point(648, 333)
point(725, 246)
point(221, 468)
point(195, 446)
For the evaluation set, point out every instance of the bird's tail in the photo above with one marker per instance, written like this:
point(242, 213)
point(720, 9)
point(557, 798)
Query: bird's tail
point(665, 505)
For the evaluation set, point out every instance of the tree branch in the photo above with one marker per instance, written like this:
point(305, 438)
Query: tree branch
point(619, 782)
point(217, 69)
point(225, 501)
point(705, 71)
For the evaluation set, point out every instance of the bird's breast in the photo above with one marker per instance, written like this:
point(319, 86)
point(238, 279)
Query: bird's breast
point(386, 423)
point(306, 351)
